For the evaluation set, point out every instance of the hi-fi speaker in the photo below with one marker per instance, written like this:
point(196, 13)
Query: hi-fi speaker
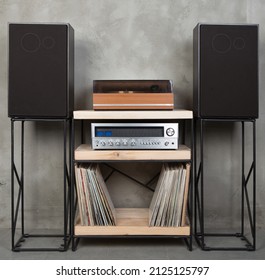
point(225, 79)
point(41, 70)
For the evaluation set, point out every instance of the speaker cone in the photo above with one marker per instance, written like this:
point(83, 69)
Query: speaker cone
point(30, 42)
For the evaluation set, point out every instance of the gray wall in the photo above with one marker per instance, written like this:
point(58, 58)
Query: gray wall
point(121, 39)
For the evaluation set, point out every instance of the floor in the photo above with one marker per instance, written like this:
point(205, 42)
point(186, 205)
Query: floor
point(132, 248)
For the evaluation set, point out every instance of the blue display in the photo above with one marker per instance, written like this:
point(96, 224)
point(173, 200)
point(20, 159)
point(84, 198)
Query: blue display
point(108, 133)
point(100, 133)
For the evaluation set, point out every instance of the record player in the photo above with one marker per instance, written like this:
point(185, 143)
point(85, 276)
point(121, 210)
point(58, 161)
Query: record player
point(133, 95)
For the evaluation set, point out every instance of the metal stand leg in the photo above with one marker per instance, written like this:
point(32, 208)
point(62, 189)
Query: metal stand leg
point(199, 209)
point(67, 184)
point(245, 200)
point(191, 203)
point(73, 194)
point(18, 207)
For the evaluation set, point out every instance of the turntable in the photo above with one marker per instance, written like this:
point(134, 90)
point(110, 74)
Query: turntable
point(133, 95)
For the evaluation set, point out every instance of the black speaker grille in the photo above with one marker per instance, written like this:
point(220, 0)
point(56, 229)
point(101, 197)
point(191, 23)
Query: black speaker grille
point(226, 76)
point(39, 70)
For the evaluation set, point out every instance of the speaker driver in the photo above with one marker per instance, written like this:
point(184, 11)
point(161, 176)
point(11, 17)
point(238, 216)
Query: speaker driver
point(221, 43)
point(30, 42)
point(48, 42)
point(239, 43)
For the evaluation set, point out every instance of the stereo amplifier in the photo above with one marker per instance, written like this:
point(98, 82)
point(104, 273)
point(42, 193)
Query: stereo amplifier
point(126, 136)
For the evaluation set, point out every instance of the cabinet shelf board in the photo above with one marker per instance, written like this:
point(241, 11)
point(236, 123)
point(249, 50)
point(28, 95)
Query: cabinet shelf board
point(131, 221)
point(84, 152)
point(132, 115)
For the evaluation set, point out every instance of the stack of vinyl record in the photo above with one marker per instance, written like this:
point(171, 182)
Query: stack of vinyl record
point(95, 205)
point(169, 204)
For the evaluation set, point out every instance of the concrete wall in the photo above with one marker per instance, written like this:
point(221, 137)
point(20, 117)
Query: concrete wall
point(120, 39)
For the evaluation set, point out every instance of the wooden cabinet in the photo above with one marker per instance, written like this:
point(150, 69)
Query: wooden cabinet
point(132, 221)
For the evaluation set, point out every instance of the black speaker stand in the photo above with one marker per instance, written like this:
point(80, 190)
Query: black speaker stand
point(19, 239)
point(248, 193)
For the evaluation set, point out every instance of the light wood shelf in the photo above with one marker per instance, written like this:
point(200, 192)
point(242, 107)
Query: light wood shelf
point(131, 221)
point(84, 152)
point(132, 115)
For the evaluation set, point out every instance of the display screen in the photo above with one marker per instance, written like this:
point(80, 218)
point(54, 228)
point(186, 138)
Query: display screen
point(129, 132)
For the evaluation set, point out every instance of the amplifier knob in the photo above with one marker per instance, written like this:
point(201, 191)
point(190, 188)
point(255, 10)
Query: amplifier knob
point(103, 143)
point(166, 143)
point(124, 142)
point(110, 143)
point(117, 143)
point(133, 142)
point(170, 131)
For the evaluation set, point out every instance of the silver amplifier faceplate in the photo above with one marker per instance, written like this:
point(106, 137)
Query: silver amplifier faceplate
point(134, 136)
